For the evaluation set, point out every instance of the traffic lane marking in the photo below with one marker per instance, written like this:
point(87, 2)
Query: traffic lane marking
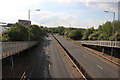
point(99, 66)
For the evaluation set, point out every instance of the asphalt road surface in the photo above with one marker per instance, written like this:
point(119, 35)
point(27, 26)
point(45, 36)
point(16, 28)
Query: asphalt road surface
point(48, 62)
point(96, 67)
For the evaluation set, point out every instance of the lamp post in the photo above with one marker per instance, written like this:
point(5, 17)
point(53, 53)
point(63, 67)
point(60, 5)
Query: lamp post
point(29, 13)
point(113, 19)
point(112, 30)
point(29, 20)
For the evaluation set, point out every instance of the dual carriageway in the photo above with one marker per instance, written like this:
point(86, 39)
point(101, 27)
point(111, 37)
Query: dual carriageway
point(53, 66)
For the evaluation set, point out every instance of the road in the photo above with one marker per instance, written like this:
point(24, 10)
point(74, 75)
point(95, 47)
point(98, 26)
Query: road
point(48, 62)
point(96, 67)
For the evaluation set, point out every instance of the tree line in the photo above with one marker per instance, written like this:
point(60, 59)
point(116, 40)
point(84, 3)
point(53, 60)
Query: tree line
point(105, 31)
point(20, 32)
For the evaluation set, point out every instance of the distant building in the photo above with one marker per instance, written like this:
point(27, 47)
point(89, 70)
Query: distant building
point(25, 22)
point(9, 24)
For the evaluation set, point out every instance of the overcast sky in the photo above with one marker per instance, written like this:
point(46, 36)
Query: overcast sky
point(80, 13)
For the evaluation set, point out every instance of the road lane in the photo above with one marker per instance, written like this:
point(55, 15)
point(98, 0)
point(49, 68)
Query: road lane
point(58, 68)
point(48, 62)
point(89, 61)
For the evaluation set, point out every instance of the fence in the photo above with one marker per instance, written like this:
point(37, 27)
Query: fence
point(115, 44)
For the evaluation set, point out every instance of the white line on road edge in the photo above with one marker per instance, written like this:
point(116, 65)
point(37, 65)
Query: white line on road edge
point(99, 66)
point(24, 74)
point(76, 67)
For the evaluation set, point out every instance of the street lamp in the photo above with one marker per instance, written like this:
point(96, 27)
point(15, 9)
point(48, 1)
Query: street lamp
point(113, 18)
point(29, 13)
point(113, 29)
point(29, 20)
point(28, 30)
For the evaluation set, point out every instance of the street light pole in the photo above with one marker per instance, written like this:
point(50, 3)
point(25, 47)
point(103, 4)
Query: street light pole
point(112, 31)
point(29, 20)
point(29, 15)
point(113, 22)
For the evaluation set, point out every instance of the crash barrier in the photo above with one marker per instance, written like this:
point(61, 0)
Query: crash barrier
point(11, 48)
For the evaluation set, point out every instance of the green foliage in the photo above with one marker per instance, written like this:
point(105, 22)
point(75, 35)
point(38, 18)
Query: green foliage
point(87, 33)
point(104, 32)
point(94, 36)
point(107, 31)
point(52, 30)
point(75, 34)
point(72, 33)
point(60, 30)
point(20, 32)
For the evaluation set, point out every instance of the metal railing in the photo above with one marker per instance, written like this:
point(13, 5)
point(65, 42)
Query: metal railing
point(115, 44)
point(11, 48)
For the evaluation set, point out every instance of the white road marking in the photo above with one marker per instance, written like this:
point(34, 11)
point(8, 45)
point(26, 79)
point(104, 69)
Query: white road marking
point(99, 66)
point(49, 65)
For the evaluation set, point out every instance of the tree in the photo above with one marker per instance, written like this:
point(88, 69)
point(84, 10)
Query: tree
point(94, 35)
point(60, 30)
point(75, 34)
point(20, 32)
point(87, 33)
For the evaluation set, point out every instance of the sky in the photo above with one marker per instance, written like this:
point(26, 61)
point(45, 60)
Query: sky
point(53, 13)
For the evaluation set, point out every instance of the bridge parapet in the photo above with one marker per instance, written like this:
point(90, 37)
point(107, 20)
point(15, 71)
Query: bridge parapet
point(11, 48)
point(115, 44)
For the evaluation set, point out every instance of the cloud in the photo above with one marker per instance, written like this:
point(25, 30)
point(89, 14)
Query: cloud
point(92, 23)
point(51, 19)
point(102, 0)
point(112, 6)
point(72, 1)
point(12, 10)
point(56, 18)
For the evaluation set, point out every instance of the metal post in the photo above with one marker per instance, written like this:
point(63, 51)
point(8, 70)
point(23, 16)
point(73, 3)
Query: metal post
point(12, 66)
point(28, 30)
point(113, 31)
point(29, 15)
point(103, 51)
point(113, 36)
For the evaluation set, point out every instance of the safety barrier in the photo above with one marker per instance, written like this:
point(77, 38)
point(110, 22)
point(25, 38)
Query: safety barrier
point(115, 44)
point(11, 48)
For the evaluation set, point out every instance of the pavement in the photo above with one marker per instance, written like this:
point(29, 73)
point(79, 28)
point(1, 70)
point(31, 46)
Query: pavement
point(96, 67)
point(48, 62)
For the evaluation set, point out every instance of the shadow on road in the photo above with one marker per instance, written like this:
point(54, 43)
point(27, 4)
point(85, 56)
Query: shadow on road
point(34, 63)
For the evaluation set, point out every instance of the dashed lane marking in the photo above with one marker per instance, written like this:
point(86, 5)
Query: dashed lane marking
point(99, 66)
point(49, 65)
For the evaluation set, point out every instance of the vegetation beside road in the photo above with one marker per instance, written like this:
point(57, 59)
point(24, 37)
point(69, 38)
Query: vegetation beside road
point(20, 32)
point(105, 31)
